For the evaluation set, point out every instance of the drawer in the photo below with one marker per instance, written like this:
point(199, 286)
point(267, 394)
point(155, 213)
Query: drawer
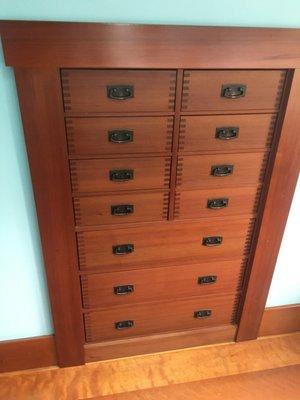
point(167, 243)
point(118, 91)
point(121, 135)
point(158, 317)
point(146, 285)
point(232, 90)
point(221, 170)
point(216, 202)
point(120, 174)
point(121, 208)
point(226, 132)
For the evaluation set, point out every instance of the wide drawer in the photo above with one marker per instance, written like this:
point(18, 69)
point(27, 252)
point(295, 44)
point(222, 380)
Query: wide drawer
point(116, 91)
point(232, 90)
point(121, 135)
point(226, 132)
point(221, 170)
point(167, 243)
point(143, 319)
point(209, 203)
point(121, 208)
point(146, 285)
point(120, 174)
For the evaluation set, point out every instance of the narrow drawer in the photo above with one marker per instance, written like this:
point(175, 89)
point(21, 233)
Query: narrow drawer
point(121, 135)
point(143, 319)
point(120, 174)
point(226, 132)
point(121, 208)
point(232, 90)
point(216, 202)
point(146, 285)
point(167, 243)
point(221, 170)
point(116, 91)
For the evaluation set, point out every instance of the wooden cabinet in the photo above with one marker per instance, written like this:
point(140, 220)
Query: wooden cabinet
point(163, 162)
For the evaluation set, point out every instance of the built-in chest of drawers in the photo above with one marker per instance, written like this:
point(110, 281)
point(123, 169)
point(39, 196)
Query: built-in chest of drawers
point(157, 162)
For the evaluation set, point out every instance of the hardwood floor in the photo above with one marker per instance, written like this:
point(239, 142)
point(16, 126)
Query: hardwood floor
point(275, 384)
point(153, 371)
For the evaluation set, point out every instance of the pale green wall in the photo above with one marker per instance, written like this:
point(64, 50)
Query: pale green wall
point(24, 309)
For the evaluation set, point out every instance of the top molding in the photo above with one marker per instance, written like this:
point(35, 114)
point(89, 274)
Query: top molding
point(94, 45)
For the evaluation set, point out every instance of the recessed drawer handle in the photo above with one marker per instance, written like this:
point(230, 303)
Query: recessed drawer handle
point(120, 136)
point(227, 133)
point(122, 249)
point(121, 175)
point(233, 90)
point(210, 241)
point(120, 92)
point(202, 314)
point(124, 324)
point(123, 290)
point(221, 170)
point(207, 280)
point(217, 204)
point(122, 209)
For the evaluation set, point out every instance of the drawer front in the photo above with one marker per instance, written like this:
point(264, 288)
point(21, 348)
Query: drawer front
point(216, 202)
point(122, 135)
point(115, 91)
point(232, 90)
point(158, 317)
point(226, 132)
point(162, 243)
point(121, 208)
point(223, 170)
point(120, 174)
point(146, 285)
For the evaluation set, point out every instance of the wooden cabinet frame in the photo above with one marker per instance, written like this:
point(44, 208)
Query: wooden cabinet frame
point(38, 50)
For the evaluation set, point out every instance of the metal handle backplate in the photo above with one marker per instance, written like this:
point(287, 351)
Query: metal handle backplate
point(233, 90)
point(120, 92)
point(221, 170)
point(202, 314)
point(217, 204)
point(211, 241)
point(121, 175)
point(122, 209)
point(123, 249)
point(124, 324)
point(207, 280)
point(227, 132)
point(120, 136)
point(123, 290)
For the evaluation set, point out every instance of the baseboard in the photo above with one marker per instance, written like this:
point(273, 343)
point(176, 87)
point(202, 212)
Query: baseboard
point(280, 320)
point(28, 353)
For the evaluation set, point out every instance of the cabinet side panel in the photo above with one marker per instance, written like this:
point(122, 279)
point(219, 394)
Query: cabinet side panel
point(277, 205)
point(42, 113)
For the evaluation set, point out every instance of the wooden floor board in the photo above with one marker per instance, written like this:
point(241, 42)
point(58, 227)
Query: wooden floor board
point(275, 384)
point(152, 370)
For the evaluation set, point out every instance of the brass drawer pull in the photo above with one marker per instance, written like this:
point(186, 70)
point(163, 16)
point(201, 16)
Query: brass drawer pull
point(221, 170)
point(217, 204)
point(123, 249)
point(120, 136)
point(202, 314)
point(233, 91)
point(207, 280)
point(123, 290)
point(121, 175)
point(211, 241)
point(227, 133)
point(124, 324)
point(120, 92)
point(122, 209)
